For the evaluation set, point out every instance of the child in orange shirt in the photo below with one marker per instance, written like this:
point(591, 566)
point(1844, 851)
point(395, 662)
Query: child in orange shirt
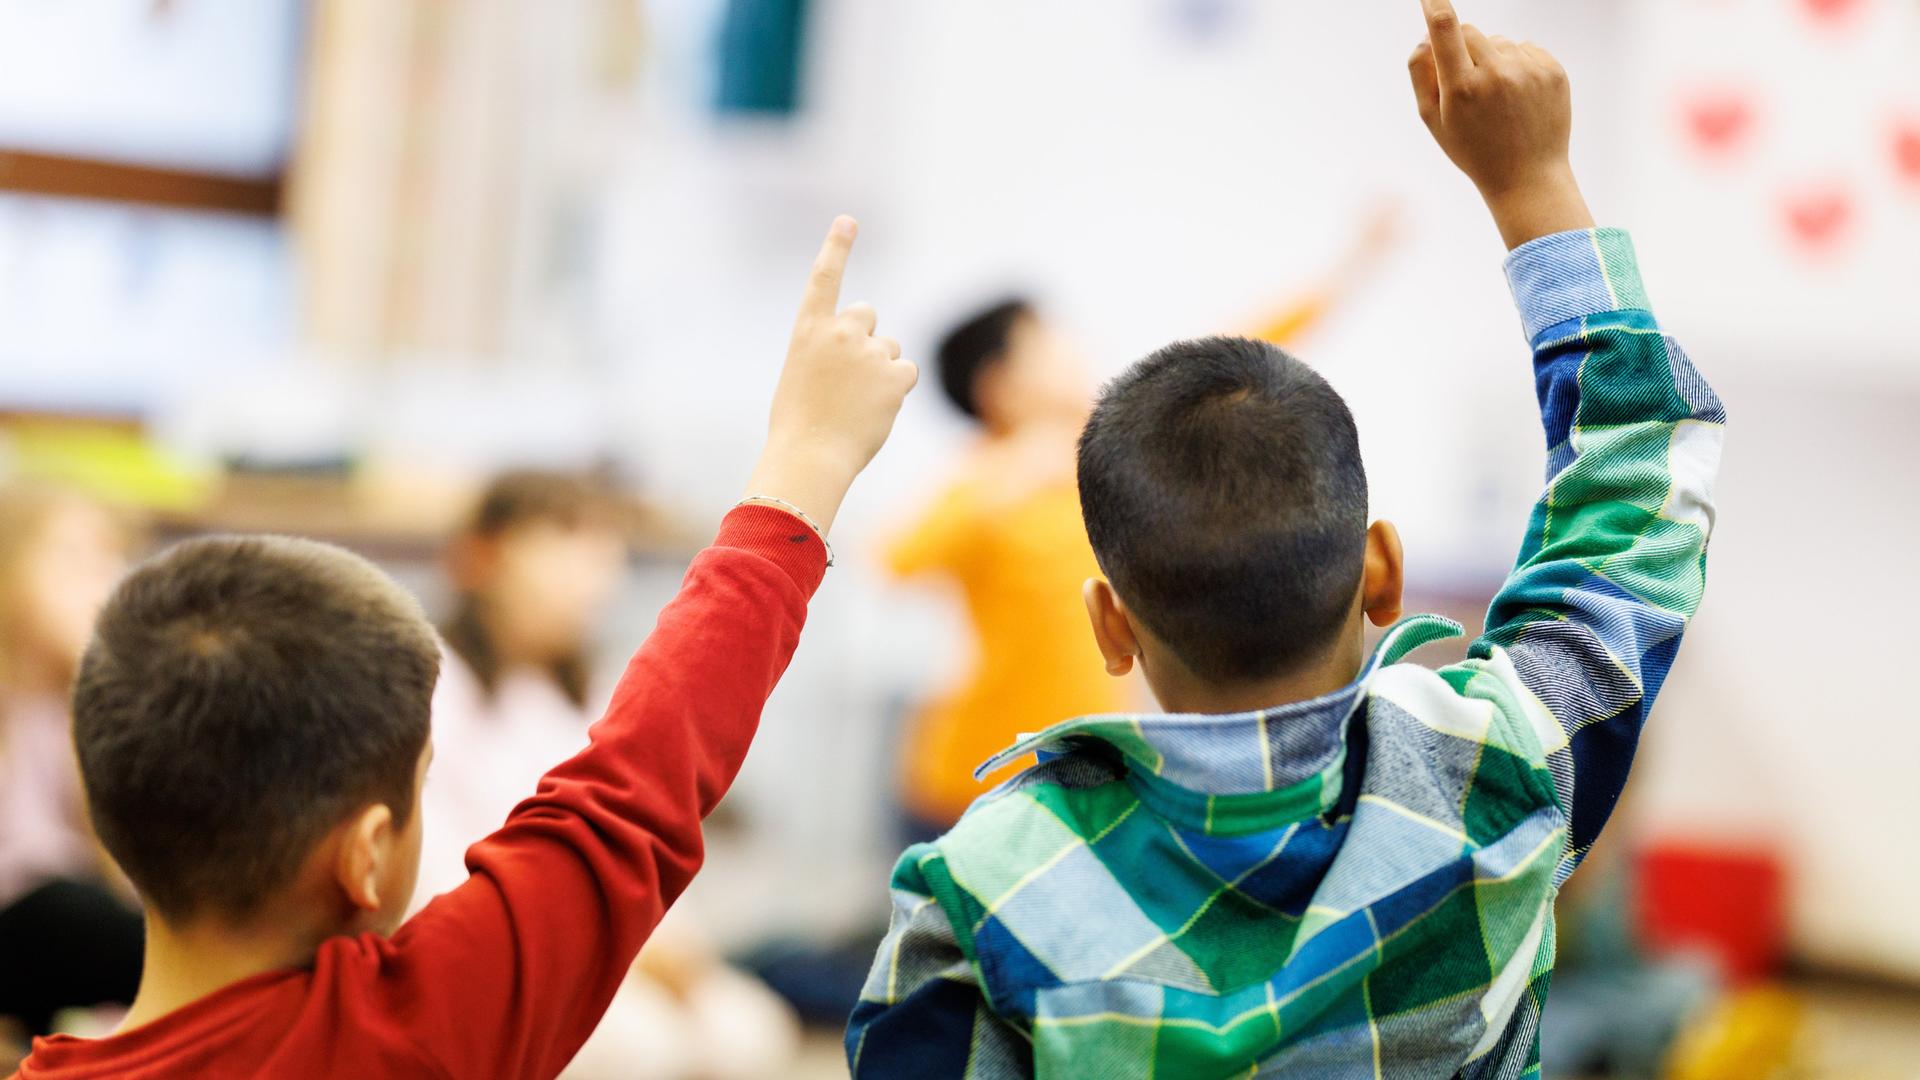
point(1007, 532)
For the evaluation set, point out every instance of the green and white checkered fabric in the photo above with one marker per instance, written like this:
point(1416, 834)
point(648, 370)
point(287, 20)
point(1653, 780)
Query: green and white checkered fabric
point(1362, 884)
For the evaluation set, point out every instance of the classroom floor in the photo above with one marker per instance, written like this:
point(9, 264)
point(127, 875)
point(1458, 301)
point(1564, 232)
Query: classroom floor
point(1863, 1033)
point(1853, 1033)
point(822, 1058)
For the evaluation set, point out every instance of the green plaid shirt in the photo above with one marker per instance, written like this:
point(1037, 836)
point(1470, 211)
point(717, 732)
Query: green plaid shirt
point(1360, 885)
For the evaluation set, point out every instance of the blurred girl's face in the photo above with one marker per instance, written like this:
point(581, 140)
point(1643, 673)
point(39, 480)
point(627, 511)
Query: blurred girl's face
point(550, 586)
point(65, 574)
point(1041, 379)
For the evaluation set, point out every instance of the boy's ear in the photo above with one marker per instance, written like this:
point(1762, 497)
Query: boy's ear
point(1384, 580)
point(360, 861)
point(1112, 630)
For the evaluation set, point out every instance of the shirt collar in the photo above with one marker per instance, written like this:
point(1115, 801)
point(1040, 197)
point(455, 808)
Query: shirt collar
point(1238, 771)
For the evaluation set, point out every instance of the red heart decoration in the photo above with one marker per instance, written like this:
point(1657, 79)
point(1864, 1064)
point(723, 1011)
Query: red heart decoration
point(1818, 219)
point(1831, 11)
point(1719, 121)
point(1906, 150)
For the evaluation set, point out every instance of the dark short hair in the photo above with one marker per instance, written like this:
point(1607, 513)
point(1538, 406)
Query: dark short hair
point(1226, 502)
point(975, 345)
point(241, 696)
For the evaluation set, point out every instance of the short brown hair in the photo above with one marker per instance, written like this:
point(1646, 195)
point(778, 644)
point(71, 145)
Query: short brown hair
point(240, 697)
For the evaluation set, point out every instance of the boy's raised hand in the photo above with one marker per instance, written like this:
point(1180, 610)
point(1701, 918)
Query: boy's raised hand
point(1503, 112)
point(838, 395)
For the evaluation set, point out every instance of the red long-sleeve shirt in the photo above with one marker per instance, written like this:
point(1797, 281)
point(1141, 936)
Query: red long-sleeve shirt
point(507, 975)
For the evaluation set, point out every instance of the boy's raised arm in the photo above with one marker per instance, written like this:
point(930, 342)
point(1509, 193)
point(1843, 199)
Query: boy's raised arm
point(1614, 560)
point(1503, 112)
point(520, 962)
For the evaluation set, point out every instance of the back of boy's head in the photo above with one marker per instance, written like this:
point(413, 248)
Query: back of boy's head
point(976, 345)
point(240, 698)
point(1224, 495)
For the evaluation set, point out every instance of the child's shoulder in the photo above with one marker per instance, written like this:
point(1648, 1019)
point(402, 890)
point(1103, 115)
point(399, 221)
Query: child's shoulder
point(1471, 731)
point(1038, 816)
point(1481, 700)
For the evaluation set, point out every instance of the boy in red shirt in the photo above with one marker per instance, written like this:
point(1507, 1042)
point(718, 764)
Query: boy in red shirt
point(251, 719)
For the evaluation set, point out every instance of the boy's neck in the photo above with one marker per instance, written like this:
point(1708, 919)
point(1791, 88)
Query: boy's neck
point(1178, 691)
point(182, 966)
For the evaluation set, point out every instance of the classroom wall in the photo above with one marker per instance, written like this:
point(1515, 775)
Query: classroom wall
point(1788, 719)
point(1777, 181)
point(1144, 191)
point(1781, 242)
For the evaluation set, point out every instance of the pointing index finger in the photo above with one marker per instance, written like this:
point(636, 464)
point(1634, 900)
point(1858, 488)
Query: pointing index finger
point(823, 284)
point(1448, 38)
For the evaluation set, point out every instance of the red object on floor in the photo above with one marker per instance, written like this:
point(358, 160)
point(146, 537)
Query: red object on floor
point(1727, 901)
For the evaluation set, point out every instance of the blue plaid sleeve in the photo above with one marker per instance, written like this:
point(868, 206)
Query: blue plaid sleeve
point(1613, 564)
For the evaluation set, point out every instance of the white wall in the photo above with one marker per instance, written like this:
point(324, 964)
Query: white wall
point(1786, 719)
point(1145, 191)
point(1821, 100)
point(1791, 717)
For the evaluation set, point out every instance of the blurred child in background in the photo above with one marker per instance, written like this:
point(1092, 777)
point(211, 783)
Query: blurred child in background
point(60, 554)
point(534, 571)
point(1007, 531)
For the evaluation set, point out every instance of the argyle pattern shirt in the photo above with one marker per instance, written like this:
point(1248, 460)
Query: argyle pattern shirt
point(1360, 885)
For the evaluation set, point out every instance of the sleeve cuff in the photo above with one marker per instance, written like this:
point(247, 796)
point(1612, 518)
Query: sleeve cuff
point(1572, 275)
point(780, 538)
